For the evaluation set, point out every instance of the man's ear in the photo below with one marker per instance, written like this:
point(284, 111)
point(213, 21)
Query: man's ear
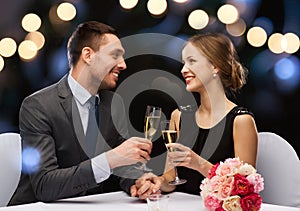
point(86, 54)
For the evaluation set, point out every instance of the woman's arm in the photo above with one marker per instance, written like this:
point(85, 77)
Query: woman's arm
point(175, 120)
point(245, 138)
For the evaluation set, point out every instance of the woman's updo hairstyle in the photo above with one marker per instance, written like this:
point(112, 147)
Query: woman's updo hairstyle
point(220, 51)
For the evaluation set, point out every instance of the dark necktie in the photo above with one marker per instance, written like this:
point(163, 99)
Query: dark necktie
point(92, 127)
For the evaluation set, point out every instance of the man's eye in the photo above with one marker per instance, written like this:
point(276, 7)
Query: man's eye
point(116, 55)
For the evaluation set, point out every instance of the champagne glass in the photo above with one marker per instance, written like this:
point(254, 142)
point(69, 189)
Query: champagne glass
point(170, 135)
point(151, 125)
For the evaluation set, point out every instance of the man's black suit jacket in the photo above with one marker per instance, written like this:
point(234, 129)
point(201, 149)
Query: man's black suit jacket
point(49, 122)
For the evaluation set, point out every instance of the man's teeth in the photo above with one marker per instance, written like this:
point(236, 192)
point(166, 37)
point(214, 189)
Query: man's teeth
point(115, 74)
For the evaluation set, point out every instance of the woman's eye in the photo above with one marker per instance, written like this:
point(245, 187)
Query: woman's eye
point(191, 61)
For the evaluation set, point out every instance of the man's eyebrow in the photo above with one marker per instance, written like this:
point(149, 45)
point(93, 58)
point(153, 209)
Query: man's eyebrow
point(118, 50)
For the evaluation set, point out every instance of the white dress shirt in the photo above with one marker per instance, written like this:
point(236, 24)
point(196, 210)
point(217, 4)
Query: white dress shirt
point(100, 164)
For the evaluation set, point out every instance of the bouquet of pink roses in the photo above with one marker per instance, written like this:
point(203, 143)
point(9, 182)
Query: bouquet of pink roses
point(232, 186)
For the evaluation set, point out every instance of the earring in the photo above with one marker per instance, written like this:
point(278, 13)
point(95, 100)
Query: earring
point(214, 75)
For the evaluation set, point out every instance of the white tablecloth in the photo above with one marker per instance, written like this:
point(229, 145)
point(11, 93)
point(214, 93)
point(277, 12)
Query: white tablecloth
point(120, 201)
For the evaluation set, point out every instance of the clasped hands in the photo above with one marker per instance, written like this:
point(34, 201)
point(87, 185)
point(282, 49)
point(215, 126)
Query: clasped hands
point(147, 184)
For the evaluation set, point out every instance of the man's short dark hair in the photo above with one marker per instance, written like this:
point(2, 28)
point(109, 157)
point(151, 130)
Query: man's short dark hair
point(87, 34)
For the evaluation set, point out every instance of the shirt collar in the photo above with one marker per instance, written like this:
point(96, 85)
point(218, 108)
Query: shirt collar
point(78, 91)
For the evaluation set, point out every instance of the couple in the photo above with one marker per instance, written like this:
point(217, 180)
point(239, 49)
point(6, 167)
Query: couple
point(55, 122)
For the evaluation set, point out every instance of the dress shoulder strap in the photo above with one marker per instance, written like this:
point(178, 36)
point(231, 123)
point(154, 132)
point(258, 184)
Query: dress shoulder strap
point(239, 110)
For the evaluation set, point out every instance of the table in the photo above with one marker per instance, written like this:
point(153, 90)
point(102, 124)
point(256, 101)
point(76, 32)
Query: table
point(120, 201)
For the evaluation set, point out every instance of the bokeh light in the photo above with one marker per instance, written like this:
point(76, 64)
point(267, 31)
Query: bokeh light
point(157, 7)
point(128, 4)
point(60, 26)
point(31, 22)
point(287, 72)
point(31, 159)
point(236, 29)
point(291, 43)
point(27, 50)
point(181, 1)
point(66, 11)
point(264, 23)
point(284, 69)
point(1, 63)
point(198, 19)
point(36, 37)
point(275, 43)
point(228, 14)
point(257, 36)
point(260, 67)
point(8, 47)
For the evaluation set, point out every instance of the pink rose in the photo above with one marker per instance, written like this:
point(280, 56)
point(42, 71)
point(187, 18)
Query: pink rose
point(226, 188)
point(246, 170)
point(226, 169)
point(257, 181)
point(212, 203)
point(216, 182)
point(212, 171)
point(205, 187)
point(241, 186)
point(235, 162)
point(251, 202)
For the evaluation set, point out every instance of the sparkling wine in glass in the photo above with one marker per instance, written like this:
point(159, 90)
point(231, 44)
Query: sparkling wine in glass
point(170, 136)
point(151, 125)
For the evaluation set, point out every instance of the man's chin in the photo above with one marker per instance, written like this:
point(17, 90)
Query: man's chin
point(107, 86)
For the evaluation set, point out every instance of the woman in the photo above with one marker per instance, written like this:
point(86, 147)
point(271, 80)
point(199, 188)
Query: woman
point(218, 128)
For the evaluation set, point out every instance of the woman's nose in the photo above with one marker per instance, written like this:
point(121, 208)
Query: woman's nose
point(184, 69)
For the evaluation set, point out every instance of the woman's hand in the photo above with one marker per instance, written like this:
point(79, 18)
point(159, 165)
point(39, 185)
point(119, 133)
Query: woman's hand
point(184, 156)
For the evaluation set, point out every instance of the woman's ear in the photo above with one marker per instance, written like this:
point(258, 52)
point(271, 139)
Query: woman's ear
point(215, 69)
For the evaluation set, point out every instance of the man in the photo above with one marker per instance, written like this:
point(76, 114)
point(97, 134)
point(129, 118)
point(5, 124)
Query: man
point(55, 122)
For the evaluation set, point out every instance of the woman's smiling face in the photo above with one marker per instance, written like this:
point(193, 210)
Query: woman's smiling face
point(197, 70)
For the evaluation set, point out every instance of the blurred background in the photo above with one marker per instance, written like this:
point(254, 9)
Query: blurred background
point(33, 54)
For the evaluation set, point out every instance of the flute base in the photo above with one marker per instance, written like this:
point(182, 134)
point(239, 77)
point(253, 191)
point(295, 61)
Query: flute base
point(143, 167)
point(178, 181)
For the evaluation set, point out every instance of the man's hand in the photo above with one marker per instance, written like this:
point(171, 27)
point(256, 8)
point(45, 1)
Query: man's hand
point(131, 151)
point(147, 184)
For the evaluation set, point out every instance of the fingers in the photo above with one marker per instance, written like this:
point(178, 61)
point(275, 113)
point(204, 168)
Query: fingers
point(144, 188)
point(133, 191)
point(144, 155)
point(179, 157)
point(147, 184)
point(144, 144)
point(143, 147)
point(177, 146)
point(147, 193)
point(156, 184)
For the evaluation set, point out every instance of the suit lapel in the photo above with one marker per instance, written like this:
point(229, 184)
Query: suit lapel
point(69, 106)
